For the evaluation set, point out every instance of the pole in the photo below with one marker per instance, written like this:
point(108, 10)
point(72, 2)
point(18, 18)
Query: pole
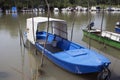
point(102, 20)
point(33, 23)
point(72, 27)
point(89, 46)
point(46, 34)
point(21, 36)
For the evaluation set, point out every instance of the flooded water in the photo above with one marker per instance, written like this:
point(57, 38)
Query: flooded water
point(21, 63)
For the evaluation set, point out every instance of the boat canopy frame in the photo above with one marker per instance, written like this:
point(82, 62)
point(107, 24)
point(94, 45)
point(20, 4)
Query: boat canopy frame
point(59, 27)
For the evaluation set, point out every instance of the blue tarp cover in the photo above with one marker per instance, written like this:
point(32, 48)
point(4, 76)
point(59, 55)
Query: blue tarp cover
point(76, 52)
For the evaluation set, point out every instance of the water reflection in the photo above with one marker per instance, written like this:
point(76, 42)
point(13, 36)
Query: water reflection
point(14, 15)
point(12, 23)
point(0, 14)
point(102, 47)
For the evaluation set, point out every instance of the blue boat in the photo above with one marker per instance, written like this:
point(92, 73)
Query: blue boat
point(14, 9)
point(66, 54)
point(117, 27)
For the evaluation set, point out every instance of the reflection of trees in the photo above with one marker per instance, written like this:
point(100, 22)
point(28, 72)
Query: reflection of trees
point(111, 19)
point(10, 24)
point(80, 18)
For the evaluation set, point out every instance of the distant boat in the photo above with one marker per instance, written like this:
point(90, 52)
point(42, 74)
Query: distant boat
point(117, 28)
point(107, 37)
point(94, 8)
point(14, 9)
point(110, 9)
point(64, 53)
point(56, 10)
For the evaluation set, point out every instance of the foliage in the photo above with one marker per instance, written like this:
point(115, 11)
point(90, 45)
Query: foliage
point(56, 3)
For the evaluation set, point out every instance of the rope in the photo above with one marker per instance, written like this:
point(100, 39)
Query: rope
point(105, 74)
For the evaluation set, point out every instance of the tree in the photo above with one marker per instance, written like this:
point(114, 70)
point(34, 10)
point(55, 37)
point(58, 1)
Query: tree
point(56, 3)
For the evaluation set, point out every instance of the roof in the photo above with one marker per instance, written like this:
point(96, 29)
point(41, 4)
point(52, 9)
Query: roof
point(44, 19)
point(32, 25)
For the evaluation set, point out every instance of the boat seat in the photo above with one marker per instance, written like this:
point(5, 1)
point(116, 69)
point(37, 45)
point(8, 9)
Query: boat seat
point(59, 41)
point(62, 43)
point(54, 43)
point(65, 44)
point(40, 35)
point(50, 38)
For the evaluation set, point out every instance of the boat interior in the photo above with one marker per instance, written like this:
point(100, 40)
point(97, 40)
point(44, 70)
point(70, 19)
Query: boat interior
point(55, 43)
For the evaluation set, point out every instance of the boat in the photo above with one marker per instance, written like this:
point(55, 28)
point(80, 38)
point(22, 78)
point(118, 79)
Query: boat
point(14, 9)
point(106, 37)
point(55, 45)
point(117, 27)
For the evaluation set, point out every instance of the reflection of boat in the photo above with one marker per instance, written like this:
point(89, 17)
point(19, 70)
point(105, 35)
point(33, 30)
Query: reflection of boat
point(104, 48)
point(64, 53)
point(107, 37)
point(0, 14)
point(15, 15)
point(117, 27)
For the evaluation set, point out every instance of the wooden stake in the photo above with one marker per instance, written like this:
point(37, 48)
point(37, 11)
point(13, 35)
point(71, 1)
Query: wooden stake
point(72, 27)
point(42, 57)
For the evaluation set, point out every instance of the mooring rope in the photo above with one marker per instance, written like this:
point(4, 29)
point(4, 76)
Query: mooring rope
point(105, 74)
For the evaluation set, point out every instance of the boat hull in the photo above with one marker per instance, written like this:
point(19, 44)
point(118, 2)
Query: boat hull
point(117, 30)
point(71, 67)
point(73, 57)
point(105, 40)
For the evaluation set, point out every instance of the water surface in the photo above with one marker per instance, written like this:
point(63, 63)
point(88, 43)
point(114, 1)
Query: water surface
point(19, 63)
